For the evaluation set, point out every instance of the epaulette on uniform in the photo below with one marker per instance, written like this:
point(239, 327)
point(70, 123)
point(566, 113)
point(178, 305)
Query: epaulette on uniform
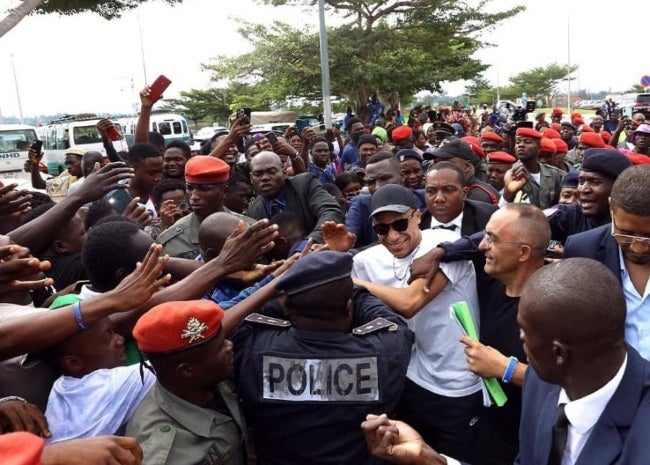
point(375, 325)
point(267, 320)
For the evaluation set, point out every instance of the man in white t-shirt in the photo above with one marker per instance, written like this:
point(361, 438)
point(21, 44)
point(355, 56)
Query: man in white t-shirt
point(442, 397)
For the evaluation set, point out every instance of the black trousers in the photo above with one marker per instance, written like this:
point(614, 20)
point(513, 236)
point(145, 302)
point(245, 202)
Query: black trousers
point(448, 424)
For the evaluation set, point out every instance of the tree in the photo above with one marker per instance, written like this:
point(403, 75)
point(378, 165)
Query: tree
point(108, 9)
point(542, 81)
point(387, 48)
point(198, 105)
point(635, 89)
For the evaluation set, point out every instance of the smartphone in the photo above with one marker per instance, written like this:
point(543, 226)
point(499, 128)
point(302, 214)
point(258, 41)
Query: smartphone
point(113, 133)
point(322, 129)
point(550, 250)
point(37, 145)
point(158, 87)
point(244, 111)
point(119, 199)
point(271, 137)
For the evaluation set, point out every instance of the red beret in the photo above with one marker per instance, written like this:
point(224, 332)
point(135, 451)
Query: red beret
point(175, 326)
point(500, 157)
point(557, 112)
point(576, 114)
point(21, 448)
point(475, 144)
point(638, 158)
point(493, 136)
point(591, 139)
point(551, 133)
point(560, 145)
point(547, 146)
point(556, 126)
point(206, 169)
point(578, 120)
point(586, 128)
point(528, 132)
point(401, 133)
point(605, 135)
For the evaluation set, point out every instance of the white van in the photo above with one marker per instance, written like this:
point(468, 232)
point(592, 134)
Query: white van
point(15, 140)
point(171, 126)
point(74, 131)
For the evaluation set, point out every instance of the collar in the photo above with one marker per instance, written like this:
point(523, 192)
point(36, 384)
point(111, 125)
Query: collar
point(198, 420)
point(583, 413)
point(458, 222)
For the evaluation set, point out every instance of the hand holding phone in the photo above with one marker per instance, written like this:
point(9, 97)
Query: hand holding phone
point(36, 147)
point(158, 87)
point(271, 137)
point(241, 111)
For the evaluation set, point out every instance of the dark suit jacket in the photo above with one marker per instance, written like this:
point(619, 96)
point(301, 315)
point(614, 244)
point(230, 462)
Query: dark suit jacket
point(476, 214)
point(598, 244)
point(620, 436)
point(307, 199)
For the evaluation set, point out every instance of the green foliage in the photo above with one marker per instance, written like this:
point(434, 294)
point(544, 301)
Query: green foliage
point(107, 9)
point(390, 48)
point(541, 81)
point(209, 105)
point(635, 89)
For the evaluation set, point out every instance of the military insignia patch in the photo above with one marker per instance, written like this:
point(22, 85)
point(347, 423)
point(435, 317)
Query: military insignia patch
point(194, 330)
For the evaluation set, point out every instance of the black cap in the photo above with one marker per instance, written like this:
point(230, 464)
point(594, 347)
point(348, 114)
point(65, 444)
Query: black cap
point(439, 126)
point(609, 162)
point(391, 198)
point(314, 270)
point(408, 154)
point(367, 139)
point(570, 180)
point(451, 148)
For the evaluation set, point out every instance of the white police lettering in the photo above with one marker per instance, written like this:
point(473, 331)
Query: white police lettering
point(5, 155)
point(320, 380)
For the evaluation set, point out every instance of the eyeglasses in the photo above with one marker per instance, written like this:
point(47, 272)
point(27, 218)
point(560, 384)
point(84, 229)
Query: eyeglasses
point(400, 225)
point(491, 240)
point(626, 238)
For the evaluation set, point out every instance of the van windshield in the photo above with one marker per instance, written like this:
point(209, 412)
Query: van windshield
point(16, 139)
point(644, 99)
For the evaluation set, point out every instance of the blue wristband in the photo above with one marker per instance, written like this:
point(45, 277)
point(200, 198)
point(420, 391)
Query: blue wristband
point(76, 307)
point(510, 370)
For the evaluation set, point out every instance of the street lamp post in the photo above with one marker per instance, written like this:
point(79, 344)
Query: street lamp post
point(324, 66)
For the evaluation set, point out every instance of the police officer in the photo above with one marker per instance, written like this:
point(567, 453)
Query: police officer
point(191, 415)
point(307, 382)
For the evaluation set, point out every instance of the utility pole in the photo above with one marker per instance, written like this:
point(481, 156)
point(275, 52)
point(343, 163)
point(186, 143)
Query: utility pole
point(324, 66)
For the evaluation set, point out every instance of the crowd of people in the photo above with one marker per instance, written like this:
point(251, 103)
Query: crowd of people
point(428, 290)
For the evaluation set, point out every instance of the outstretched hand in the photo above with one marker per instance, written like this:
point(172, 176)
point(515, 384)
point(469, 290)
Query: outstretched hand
point(337, 237)
point(18, 415)
point(18, 270)
point(245, 246)
point(104, 180)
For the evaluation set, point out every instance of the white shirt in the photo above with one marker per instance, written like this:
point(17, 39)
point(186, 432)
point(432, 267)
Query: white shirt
point(458, 222)
point(583, 414)
point(97, 404)
point(438, 361)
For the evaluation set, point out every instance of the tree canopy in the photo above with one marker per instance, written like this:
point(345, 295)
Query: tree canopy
point(542, 80)
point(389, 48)
point(107, 9)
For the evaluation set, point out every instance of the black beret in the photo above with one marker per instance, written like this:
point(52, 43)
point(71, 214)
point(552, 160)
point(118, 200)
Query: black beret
point(609, 162)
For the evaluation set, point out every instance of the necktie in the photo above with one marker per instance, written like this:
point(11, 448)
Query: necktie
point(449, 227)
point(560, 433)
point(277, 206)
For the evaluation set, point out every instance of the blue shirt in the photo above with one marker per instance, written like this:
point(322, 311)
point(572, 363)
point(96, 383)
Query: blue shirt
point(350, 157)
point(325, 175)
point(637, 321)
point(277, 205)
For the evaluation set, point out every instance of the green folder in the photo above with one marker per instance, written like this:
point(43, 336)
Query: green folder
point(460, 312)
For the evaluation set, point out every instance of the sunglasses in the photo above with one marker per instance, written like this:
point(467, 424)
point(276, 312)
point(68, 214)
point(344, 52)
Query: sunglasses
point(400, 225)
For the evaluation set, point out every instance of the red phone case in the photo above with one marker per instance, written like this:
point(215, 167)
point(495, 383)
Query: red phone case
point(158, 87)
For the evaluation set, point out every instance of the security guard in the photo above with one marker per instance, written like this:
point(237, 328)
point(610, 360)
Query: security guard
point(191, 414)
point(207, 183)
point(306, 383)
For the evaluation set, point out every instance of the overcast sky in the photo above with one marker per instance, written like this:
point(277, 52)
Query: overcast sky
point(83, 63)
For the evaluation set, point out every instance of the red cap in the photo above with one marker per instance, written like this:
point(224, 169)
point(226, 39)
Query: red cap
point(551, 133)
point(401, 133)
point(206, 169)
point(605, 135)
point(556, 126)
point(21, 448)
point(592, 140)
point(175, 326)
point(547, 146)
point(528, 132)
point(560, 145)
point(475, 144)
point(557, 112)
point(501, 157)
point(578, 120)
point(638, 158)
point(576, 114)
point(493, 136)
point(586, 128)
